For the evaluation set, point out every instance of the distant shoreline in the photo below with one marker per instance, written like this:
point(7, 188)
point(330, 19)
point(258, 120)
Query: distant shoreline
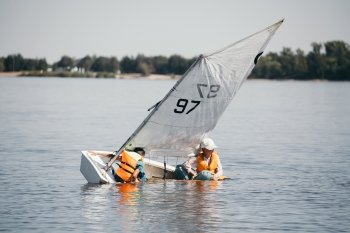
point(131, 76)
point(90, 75)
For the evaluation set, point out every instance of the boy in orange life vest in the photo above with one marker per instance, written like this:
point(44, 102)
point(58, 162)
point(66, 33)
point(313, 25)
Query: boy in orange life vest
point(131, 166)
point(206, 162)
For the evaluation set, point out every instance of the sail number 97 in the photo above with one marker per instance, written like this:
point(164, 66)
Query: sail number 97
point(203, 89)
point(182, 104)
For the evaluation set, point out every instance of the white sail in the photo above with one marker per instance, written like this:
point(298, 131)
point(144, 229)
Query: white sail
point(194, 105)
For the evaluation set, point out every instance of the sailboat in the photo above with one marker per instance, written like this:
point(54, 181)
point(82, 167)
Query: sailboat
point(188, 112)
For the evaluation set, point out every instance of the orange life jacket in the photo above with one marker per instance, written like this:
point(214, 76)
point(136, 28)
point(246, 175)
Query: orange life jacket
point(127, 164)
point(203, 165)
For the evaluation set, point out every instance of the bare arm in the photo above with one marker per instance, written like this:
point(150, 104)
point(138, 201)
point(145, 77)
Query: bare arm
point(189, 164)
point(134, 176)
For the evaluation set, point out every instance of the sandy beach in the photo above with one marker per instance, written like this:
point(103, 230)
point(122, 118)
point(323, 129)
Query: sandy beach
point(10, 74)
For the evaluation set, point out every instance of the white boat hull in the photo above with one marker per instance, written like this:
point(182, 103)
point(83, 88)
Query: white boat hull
point(93, 162)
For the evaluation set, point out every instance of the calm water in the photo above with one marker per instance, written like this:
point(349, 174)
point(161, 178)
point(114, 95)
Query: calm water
point(285, 144)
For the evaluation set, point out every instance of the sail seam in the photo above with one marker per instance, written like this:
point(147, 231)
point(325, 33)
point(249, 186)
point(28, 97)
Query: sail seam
point(174, 126)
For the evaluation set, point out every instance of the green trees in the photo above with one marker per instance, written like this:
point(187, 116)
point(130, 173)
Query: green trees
point(66, 63)
point(177, 64)
point(301, 68)
point(268, 67)
point(2, 66)
point(127, 65)
point(337, 60)
point(16, 62)
point(143, 65)
point(315, 60)
point(330, 61)
point(105, 64)
point(158, 64)
point(85, 63)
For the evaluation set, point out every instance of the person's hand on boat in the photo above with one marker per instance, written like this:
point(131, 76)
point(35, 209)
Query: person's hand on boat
point(192, 174)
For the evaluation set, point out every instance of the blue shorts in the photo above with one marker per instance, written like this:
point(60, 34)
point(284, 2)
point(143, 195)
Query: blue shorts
point(204, 175)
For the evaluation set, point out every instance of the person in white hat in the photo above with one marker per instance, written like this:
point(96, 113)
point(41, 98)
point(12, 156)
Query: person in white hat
point(206, 162)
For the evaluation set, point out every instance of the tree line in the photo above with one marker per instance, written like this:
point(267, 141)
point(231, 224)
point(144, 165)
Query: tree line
point(330, 60)
point(16, 62)
point(174, 64)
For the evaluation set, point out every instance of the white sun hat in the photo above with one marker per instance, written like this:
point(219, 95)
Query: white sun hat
point(208, 144)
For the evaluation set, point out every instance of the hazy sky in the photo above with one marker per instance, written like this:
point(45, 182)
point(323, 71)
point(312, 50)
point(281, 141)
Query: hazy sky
point(52, 28)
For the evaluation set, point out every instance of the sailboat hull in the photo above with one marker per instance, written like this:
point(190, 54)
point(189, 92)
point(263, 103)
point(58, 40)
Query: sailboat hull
point(93, 162)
